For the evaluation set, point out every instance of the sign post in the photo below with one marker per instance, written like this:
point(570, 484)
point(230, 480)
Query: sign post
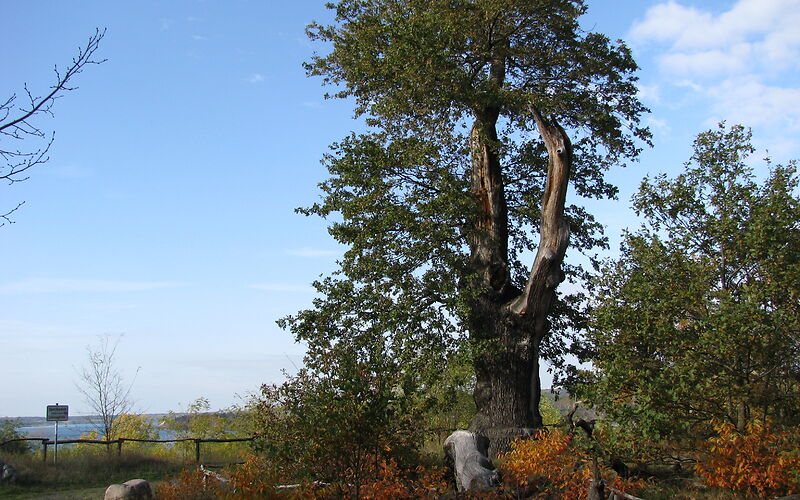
point(57, 413)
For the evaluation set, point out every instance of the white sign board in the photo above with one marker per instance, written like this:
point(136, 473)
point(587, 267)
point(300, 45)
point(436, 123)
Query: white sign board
point(57, 413)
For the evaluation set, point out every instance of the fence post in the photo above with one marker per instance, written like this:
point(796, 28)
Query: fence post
point(44, 450)
point(119, 447)
point(197, 451)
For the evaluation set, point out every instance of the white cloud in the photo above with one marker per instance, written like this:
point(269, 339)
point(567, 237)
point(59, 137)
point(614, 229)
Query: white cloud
point(24, 330)
point(310, 253)
point(283, 287)
point(747, 100)
point(649, 93)
point(755, 34)
point(56, 285)
point(739, 64)
point(706, 63)
point(774, 110)
point(199, 37)
point(668, 22)
point(659, 127)
point(255, 78)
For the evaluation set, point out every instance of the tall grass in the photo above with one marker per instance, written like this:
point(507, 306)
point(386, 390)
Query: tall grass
point(82, 470)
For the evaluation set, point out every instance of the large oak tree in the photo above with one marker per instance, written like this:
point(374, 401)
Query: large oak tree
point(481, 115)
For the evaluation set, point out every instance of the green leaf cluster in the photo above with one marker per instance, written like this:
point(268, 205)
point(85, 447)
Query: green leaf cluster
point(336, 422)
point(699, 318)
point(8, 431)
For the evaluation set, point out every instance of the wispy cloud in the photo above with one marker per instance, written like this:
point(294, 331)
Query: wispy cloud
point(312, 104)
point(310, 253)
point(649, 93)
point(199, 37)
point(255, 78)
point(283, 287)
point(753, 35)
point(57, 285)
point(741, 62)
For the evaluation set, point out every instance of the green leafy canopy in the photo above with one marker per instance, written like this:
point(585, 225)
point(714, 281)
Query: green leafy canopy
point(699, 317)
point(421, 73)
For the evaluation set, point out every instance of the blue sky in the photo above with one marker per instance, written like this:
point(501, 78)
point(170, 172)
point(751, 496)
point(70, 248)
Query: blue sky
point(166, 210)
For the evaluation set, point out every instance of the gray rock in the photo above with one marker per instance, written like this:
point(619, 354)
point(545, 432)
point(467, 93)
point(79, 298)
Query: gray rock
point(135, 489)
point(8, 474)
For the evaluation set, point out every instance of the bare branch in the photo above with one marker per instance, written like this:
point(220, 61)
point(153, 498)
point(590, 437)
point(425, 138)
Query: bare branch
point(17, 123)
point(102, 385)
point(5, 217)
point(43, 104)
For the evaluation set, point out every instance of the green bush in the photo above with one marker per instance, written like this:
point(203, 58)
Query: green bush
point(8, 431)
point(336, 422)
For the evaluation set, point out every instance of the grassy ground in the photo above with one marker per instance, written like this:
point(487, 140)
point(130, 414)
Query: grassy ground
point(68, 494)
point(86, 477)
point(80, 477)
point(85, 473)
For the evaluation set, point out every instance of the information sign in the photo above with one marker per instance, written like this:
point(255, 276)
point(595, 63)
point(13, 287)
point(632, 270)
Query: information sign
point(57, 413)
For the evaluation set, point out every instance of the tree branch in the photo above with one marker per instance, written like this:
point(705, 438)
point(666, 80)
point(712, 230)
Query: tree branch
point(16, 122)
point(546, 272)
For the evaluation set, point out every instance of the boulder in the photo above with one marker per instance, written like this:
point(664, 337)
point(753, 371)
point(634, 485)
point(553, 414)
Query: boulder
point(8, 474)
point(135, 489)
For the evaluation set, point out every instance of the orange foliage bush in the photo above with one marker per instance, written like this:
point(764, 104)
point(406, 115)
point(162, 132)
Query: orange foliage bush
point(256, 479)
point(563, 470)
point(189, 485)
point(759, 461)
point(390, 482)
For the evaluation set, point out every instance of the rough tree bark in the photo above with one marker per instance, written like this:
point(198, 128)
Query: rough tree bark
point(512, 323)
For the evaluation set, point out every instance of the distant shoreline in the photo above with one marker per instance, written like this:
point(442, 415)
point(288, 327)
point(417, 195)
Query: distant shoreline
point(76, 419)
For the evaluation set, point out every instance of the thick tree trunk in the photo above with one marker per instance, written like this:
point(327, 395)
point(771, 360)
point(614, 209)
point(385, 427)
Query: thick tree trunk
point(509, 324)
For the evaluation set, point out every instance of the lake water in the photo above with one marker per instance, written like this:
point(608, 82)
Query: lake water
point(67, 430)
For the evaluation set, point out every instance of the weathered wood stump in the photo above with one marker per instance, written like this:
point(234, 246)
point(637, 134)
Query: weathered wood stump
point(466, 453)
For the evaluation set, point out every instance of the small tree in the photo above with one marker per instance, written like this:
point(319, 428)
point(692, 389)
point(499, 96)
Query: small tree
point(126, 425)
point(698, 319)
point(8, 432)
point(19, 122)
point(103, 386)
point(339, 417)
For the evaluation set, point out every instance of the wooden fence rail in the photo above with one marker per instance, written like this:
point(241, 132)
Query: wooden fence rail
point(197, 442)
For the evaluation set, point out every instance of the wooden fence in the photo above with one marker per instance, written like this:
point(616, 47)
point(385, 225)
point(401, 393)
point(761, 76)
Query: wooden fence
point(197, 442)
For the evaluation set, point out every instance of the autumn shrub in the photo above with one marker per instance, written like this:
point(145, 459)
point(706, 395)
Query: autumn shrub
point(554, 466)
point(390, 481)
point(189, 485)
point(761, 461)
point(335, 421)
point(257, 478)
